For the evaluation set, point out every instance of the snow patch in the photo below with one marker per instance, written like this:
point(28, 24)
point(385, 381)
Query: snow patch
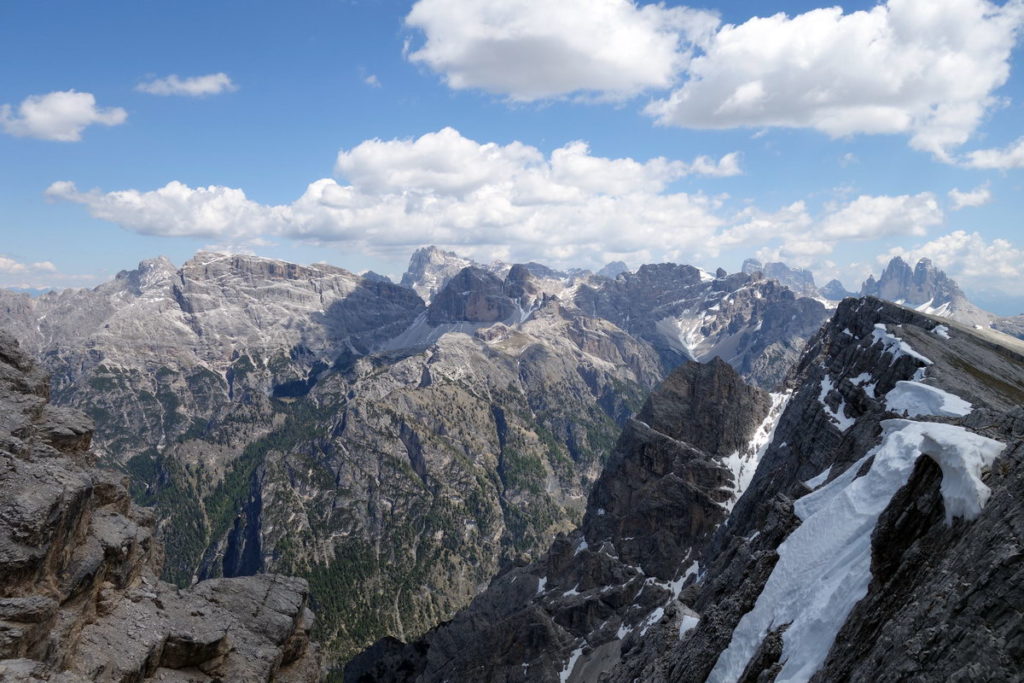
point(922, 399)
point(824, 566)
point(580, 547)
point(542, 584)
point(819, 479)
point(744, 463)
point(567, 671)
point(838, 416)
point(862, 380)
point(687, 624)
point(941, 331)
point(677, 586)
point(894, 345)
point(652, 619)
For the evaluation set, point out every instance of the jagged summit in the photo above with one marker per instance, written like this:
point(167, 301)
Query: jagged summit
point(925, 288)
point(430, 268)
point(835, 291)
point(883, 511)
point(613, 269)
point(797, 279)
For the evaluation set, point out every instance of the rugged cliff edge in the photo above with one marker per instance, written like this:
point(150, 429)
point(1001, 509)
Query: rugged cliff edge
point(880, 539)
point(668, 484)
point(79, 597)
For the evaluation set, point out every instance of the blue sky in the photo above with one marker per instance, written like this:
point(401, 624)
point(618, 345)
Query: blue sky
point(827, 138)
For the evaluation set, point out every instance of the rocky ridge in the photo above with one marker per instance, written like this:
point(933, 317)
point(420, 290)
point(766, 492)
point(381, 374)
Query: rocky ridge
point(756, 325)
point(80, 597)
point(667, 486)
point(924, 288)
point(797, 279)
point(935, 568)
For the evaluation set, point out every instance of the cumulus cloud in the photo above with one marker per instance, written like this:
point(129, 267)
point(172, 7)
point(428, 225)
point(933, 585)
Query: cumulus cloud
point(10, 266)
point(971, 259)
point(979, 196)
point(534, 49)
point(868, 217)
point(792, 234)
point(60, 116)
point(915, 67)
point(568, 207)
point(194, 86)
point(1009, 157)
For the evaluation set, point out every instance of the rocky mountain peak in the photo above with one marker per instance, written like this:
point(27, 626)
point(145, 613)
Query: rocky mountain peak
point(797, 279)
point(613, 269)
point(430, 268)
point(473, 295)
point(920, 285)
point(707, 405)
point(834, 291)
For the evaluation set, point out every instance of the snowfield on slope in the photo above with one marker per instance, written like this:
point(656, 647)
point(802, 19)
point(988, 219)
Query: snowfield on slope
point(824, 566)
point(922, 399)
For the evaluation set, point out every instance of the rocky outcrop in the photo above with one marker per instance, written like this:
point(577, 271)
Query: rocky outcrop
point(661, 496)
point(929, 576)
point(79, 594)
point(924, 288)
point(797, 279)
point(835, 291)
point(474, 296)
point(758, 326)
point(878, 539)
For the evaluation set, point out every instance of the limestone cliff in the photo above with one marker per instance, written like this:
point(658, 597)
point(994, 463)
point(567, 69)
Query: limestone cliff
point(79, 595)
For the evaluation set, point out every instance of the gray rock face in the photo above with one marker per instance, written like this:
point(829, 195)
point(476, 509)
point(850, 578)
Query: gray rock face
point(603, 586)
point(834, 291)
point(613, 269)
point(797, 279)
point(474, 296)
point(939, 593)
point(920, 566)
point(925, 288)
point(79, 599)
point(304, 419)
point(758, 326)
point(430, 269)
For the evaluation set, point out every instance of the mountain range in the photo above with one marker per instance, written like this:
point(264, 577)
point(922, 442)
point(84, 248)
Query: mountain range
point(878, 538)
point(395, 452)
point(400, 445)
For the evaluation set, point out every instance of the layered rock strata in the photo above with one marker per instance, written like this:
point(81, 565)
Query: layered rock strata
point(79, 595)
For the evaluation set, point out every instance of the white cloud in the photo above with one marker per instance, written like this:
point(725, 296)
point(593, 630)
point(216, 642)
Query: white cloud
point(868, 217)
point(918, 67)
point(794, 236)
point(194, 86)
point(176, 210)
point(60, 116)
point(372, 81)
point(535, 49)
point(979, 196)
point(10, 266)
point(450, 190)
point(971, 260)
point(1009, 157)
point(569, 207)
